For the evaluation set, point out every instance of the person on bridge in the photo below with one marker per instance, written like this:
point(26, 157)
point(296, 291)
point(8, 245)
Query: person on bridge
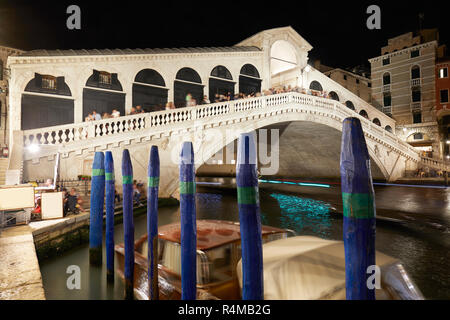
point(96, 115)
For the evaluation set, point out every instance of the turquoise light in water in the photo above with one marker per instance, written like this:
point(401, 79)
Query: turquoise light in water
point(305, 216)
point(320, 185)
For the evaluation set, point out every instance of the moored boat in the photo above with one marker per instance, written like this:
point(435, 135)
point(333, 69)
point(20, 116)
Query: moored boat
point(218, 252)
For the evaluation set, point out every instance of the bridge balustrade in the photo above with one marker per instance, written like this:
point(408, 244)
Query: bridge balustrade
point(66, 134)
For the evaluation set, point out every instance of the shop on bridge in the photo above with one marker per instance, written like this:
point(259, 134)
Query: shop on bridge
point(249, 80)
point(149, 90)
point(187, 81)
point(47, 101)
point(220, 82)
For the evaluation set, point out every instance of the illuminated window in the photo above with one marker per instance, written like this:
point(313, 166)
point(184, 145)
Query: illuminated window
point(443, 73)
point(104, 77)
point(49, 82)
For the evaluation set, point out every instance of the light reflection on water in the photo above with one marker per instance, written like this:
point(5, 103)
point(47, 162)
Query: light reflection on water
point(305, 216)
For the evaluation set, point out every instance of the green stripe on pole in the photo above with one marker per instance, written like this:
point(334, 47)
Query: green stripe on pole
point(247, 195)
point(127, 179)
point(358, 205)
point(109, 176)
point(187, 187)
point(153, 182)
point(98, 172)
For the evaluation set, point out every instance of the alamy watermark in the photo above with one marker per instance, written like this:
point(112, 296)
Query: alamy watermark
point(74, 280)
point(74, 20)
point(219, 147)
point(374, 20)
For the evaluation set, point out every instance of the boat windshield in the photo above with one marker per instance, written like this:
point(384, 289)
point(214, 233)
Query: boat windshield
point(213, 265)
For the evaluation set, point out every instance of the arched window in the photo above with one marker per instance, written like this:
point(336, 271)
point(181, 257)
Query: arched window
point(188, 74)
point(418, 136)
point(221, 72)
point(54, 109)
point(377, 122)
point(364, 114)
point(315, 85)
point(388, 129)
point(103, 101)
point(187, 80)
point(415, 72)
point(350, 105)
point(333, 95)
point(386, 78)
point(149, 90)
point(249, 70)
point(249, 81)
point(104, 80)
point(150, 76)
point(220, 83)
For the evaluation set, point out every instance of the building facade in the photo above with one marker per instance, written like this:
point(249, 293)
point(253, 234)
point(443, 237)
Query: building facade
point(5, 52)
point(403, 86)
point(358, 84)
point(442, 103)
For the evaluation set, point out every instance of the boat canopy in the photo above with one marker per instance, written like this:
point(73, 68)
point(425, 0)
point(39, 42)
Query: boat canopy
point(311, 268)
point(211, 233)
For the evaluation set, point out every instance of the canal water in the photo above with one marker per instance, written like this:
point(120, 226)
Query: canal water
point(414, 227)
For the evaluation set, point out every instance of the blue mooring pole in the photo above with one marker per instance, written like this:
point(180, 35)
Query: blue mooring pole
point(109, 204)
point(96, 210)
point(128, 224)
point(152, 223)
point(250, 219)
point(359, 211)
point(188, 224)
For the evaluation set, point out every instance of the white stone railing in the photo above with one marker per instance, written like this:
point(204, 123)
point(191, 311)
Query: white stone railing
point(66, 134)
point(433, 163)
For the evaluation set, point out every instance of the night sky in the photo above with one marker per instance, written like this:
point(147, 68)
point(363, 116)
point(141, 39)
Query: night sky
point(337, 30)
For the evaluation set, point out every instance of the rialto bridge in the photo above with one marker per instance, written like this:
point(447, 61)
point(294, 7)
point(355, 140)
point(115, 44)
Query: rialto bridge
point(52, 91)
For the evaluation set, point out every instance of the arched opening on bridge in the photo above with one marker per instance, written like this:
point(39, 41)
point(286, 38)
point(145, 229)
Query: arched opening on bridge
point(364, 114)
point(54, 109)
point(187, 81)
point(388, 129)
point(422, 142)
point(319, 156)
point(149, 90)
point(333, 95)
point(350, 105)
point(220, 82)
point(249, 80)
point(105, 96)
point(377, 122)
point(282, 57)
point(315, 85)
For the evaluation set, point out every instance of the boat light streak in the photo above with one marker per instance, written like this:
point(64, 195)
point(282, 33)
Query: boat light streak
point(319, 185)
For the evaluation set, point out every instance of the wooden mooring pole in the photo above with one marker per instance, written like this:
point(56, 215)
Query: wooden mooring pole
point(250, 219)
point(152, 222)
point(110, 205)
point(188, 223)
point(128, 224)
point(96, 210)
point(359, 211)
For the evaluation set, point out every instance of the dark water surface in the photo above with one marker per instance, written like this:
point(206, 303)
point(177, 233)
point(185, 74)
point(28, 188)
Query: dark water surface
point(421, 241)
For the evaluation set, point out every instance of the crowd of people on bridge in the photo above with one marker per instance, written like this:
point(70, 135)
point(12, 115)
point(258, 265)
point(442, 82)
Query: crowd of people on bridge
point(190, 101)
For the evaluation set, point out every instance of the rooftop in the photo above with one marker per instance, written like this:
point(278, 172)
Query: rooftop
point(93, 52)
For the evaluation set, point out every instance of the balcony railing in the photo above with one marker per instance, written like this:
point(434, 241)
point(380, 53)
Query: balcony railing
point(416, 106)
point(415, 82)
point(387, 110)
point(386, 88)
